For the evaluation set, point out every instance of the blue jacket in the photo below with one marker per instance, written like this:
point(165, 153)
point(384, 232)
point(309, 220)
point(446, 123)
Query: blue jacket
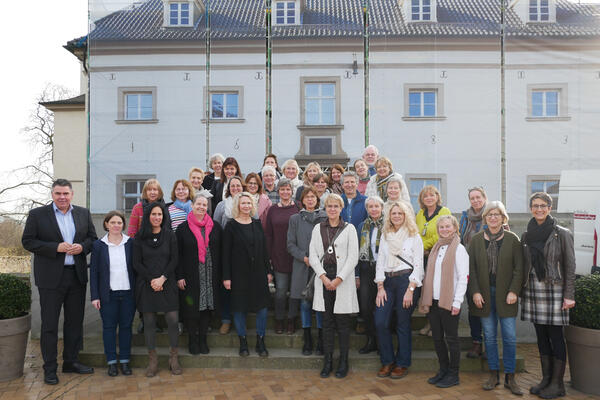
point(100, 270)
point(356, 213)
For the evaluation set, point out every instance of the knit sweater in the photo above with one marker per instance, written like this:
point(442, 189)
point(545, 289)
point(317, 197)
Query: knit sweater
point(276, 233)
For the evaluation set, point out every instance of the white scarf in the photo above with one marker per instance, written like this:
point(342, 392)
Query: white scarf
point(395, 242)
point(228, 207)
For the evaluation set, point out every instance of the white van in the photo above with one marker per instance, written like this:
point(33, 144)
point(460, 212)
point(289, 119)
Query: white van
point(579, 193)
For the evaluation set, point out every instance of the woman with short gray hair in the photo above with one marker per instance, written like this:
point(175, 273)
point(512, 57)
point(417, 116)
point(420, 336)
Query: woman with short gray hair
point(216, 164)
point(269, 177)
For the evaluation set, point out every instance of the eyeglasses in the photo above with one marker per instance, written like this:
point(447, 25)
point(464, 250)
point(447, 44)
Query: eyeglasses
point(494, 215)
point(251, 183)
point(539, 206)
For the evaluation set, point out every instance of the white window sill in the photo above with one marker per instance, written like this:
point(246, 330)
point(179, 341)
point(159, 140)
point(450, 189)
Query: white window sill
point(224, 120)
point(440, 118)
point(136, 121)
point(536, 119)
point(320, 126)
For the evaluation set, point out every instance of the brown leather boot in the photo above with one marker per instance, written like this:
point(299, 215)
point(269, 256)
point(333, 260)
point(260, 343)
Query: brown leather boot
point(152, 364)
point(174, 362)
point(493, 381)
point(291, 326)
point(475, 351)
point(511, 384)
point(278, 326)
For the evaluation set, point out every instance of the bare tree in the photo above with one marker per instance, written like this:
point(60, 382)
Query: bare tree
point(29, 186)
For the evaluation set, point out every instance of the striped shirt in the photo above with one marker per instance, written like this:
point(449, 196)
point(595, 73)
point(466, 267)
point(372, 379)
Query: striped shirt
point(178, 216)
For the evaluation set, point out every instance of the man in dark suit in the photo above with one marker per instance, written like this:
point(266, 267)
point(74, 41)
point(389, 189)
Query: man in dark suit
point(60, 236)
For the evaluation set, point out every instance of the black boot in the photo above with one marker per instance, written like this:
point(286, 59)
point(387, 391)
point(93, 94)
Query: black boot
point(260, 348)
point(556, 388)
point(546, 374)
point(308, 343)
point(342, 370)
point(194, 343)
point(370, 346)
point(438, 377)
point(244, 347)
point(203, 345)
point(449, 380)
point(327, 365)
point(319, 348)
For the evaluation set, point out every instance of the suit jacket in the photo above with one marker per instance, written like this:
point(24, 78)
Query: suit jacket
point(100, 270)
point(41, 236)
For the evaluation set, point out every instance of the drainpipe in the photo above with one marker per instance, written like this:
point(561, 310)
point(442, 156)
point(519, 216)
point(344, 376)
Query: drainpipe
point(268, 87)
point(366, 67)
point(207, 72)
point(503, 101)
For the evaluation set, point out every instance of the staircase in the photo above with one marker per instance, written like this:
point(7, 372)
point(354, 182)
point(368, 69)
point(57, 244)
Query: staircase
point(285, 351)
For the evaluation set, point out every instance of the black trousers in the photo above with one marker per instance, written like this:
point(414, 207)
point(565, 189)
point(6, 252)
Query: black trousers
point(198, 324)
point(551, 341)
point(333, 323)
point(70, 294)
point(444, 329)
point(367, 295)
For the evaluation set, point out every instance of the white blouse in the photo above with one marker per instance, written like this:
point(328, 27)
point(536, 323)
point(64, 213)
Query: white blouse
point(412, 251)
point(119, 277)
point(461, 274)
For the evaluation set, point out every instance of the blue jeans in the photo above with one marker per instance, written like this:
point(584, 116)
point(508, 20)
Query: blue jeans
point(395, 288)
point(239, 318)
point(306, 315)
point(225, 305)
point(509, 338)
point(117, 312)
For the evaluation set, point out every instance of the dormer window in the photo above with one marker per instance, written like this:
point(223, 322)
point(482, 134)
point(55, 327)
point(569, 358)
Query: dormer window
point(420, 10)
point(179, 14)
point(286, 13)
point(539, 11)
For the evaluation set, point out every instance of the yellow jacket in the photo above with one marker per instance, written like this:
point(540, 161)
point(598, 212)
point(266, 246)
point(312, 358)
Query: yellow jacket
point(430, 237)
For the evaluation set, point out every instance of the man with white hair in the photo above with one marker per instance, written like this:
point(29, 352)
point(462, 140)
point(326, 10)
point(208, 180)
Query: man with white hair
point(370, 155)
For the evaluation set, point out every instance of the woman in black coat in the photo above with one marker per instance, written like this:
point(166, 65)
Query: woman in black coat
point(198, 271)
point(154, 260)
point(246, 270)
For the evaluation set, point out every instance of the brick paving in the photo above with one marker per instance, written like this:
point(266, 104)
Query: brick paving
point(238, 384)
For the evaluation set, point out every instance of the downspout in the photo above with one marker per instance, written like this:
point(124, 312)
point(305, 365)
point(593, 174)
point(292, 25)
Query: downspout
point(366, 67)
point(268, 83)
point(207, 73)
point(503, 101)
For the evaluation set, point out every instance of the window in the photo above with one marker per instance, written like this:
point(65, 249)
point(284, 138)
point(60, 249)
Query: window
point(224, 105)
point(547, 102)
point(416, 183)
point(129, 190)
point(420, 10)
point(320, 145)
point(544, 183)
point(179, 14)
point(544, 103)
point(320, 103)
point(285, 13)
point(424, 101)
point(539, 11)
point(136, 105)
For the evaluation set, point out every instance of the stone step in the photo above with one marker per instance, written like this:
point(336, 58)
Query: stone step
point(294, 341)
point(279, 358)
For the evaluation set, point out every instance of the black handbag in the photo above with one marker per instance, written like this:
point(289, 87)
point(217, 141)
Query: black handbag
point(309, 290)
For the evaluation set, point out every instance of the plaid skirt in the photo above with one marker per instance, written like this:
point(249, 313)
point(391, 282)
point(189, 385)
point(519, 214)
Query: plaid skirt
point(541, 303)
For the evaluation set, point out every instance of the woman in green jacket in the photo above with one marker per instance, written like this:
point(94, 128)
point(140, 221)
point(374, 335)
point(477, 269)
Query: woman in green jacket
point(495, 280)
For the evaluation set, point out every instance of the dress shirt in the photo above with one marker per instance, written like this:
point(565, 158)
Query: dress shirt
point(461, 273)
point(67, 229)
point(412, 251)
point(119, 277)
point(374, 243)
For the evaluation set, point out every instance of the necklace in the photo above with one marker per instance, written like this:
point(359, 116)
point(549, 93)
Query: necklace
point(329, 240)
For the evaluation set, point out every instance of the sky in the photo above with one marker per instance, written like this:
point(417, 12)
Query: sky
point(37, 57)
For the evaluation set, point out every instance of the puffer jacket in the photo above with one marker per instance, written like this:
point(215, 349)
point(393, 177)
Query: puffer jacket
point(559, 251)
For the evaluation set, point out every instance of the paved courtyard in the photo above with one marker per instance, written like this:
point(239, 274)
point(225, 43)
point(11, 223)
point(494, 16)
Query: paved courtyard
point(222, 384)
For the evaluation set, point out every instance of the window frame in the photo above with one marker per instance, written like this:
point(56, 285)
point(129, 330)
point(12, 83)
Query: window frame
point(167, 13)
point(421, 13)
point(562, 99)
point(208, 93)
point(542, 178)
point(443, 178)
point(123, 92)
point(286, 10)
point(438, 88)
point(120, 188)
point(538, 12)
point(336, 81)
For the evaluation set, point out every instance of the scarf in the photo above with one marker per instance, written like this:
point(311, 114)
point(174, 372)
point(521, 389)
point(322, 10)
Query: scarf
point(228, 208)
point(395, 242)
point(473, 224)
point(536, 238)
point(365, 179)
point(492, 250)
point(196, 228)
point(382, 185)
point(447, 282)
point(336, 188)
point(185, 206)
point(365, 242)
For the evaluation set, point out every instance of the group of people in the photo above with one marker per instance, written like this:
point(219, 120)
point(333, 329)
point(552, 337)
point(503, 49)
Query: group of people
point(339, 244)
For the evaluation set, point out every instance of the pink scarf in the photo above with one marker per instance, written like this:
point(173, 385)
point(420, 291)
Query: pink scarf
point(196, 228)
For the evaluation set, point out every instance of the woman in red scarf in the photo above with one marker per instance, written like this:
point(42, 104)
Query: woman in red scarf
point(198, 271)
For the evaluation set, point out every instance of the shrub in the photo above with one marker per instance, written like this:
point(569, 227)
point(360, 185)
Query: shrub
point(15, 297)
point(586, 313)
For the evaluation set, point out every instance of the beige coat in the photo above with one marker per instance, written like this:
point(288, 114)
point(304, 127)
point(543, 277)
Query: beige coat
point(346, 250)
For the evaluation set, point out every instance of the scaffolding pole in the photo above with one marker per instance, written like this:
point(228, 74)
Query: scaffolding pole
point(207, 74)
point(366, 68)
point(268, 87)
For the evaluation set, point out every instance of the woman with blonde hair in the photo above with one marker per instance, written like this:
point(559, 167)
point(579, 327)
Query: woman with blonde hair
point(196, 177)
point(291, 171)
point(399, 274)
point(377, 185)
point(311, 170)
point(335, 175)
